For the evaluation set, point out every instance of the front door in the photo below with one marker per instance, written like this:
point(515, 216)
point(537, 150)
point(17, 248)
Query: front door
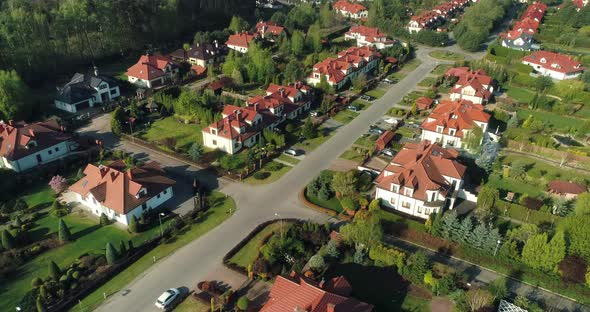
point(39, 160)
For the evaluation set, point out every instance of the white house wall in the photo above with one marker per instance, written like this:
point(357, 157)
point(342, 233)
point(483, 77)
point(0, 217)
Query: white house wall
point(395, 201)
point(30, 161)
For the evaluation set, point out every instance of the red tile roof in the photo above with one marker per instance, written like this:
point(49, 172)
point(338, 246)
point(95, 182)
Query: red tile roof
point(554, 61)
point(269, 27)
point(458, 115)
point(198, 69)
point(19, 139)
point(372, 34)
point(384, 139)
point(424, 102)
point(119, 190)
point(565, 187)
point(149, 67)
point(346, 6)
point(288, 295)
point(240, 40)
point(347, 61)
point(290, 97)
point(422, 167)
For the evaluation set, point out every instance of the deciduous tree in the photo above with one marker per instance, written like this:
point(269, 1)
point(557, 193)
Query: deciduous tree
point(13, 96)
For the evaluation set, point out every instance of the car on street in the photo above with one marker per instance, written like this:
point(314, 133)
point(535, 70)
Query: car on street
point(367, 97)
point(388, 152)
point(388, 81)
point(353, 108)
point(293, 152)
point(314, 114)
point(167, 298)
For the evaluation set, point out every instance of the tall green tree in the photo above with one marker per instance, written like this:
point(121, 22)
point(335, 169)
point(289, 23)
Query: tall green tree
point(63, 231)
point(345, 183)
point(363, 233)
point(555, 250)
point(13, 96)
point(54, 271)
point(40, 306)
point(486, 200)
point(297, 43)
point(464, 230)
point(117, 121)
point(122, 249)
point(8, 241)
point(450, 225)
point(582, 206)
point(314, 37)
point(111, 254)
point(196, 151)
point(238, 24)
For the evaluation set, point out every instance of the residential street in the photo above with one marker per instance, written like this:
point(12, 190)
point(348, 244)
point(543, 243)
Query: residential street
point(255, 204)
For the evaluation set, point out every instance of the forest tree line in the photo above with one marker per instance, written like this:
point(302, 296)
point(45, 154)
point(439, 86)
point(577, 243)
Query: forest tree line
point(41, 39)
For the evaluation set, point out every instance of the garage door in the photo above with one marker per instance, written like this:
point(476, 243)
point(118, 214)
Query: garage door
point(82, 105)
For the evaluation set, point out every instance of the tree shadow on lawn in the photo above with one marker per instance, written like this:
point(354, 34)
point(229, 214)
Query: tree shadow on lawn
point(85, 231)
point(382, 287)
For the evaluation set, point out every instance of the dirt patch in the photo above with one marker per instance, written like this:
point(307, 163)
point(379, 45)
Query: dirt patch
point(343, 165)
point(440, 304)
point(419, 292)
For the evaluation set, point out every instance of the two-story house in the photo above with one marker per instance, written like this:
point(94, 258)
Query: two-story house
point(475, 86)
point(520, 37)
point(152, 71)
point(349, 64)
point(123, 194)
point(555, 65)
point(269, 30)
point(25, 146)
point(368, 36)
point(86, 90)
point(295, 99)
point(240, 41)
point(351, 10)
point(421, 179)
point(431, 18)
point(201, 54)
point(451, 123)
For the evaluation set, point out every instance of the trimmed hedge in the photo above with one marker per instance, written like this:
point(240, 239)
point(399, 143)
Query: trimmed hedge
point(518, 212)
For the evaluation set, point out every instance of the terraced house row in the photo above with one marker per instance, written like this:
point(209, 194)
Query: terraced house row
point(520, 37)
point(439, 14)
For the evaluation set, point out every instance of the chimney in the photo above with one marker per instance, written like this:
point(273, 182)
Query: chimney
point(256, 106)
point(95, 71)
point(330, 307)
point(11, 123)
point(322, 283)
point(293, 274)
point(282, 91)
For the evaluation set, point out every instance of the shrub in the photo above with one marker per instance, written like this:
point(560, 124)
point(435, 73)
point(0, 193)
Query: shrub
point(54, 271)
point(104, 220)
point(111, 254)
point(134, 225)
point(387, 256)
point(36, 282)
point(572, 269)
point(331, 250)
point(58, 184)
point(243, 303)
point(349, 204)
point(317, 263)
point(8, 241)
point(274, 166)
point(64, 231)
point(261, 175)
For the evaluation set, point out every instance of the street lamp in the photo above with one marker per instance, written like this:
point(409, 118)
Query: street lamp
point(160, 215)
point(497, 245)
point(278, 216)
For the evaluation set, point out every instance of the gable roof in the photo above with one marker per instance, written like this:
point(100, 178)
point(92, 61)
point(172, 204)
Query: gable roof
point(346, 6)
point(242, 39)
point(119, 190)
point(458, 115)
point(269, 27)
point(353, 57)
point(422, 167)
point(149, 67)
point(19, 139)
point(290, 294)
point(565, 187)
point(554, 61)
point(424, 102)
point(198, 51)
point(370, 33)
point(82, 87)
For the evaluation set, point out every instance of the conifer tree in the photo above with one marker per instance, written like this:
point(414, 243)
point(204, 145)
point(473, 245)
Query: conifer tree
point(111, 254)
point(64, 231)
point(8, 241)
point(54, 271)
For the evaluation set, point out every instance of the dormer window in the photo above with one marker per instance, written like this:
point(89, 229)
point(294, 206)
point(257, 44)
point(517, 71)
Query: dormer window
point(214, 131)
point(439, 129)
point(408, 191)
point(394, 188)
point(452, 131)
point(555, 65)
point(543, 60)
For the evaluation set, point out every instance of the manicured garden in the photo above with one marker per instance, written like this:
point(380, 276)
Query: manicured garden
point(446, 55)
point(345, 116)
point(215, 215)
point(269, 173)
point(172, 134)
point(250, 252)
point(288, 159)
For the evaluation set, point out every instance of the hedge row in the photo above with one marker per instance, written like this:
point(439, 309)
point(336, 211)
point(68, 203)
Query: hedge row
point(518, 212)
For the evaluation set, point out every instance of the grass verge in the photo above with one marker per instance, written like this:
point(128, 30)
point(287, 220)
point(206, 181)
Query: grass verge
point(272, 175)
point(248, 254)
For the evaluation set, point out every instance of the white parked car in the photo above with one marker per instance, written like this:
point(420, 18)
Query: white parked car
point(167, 298)
point(391, 121)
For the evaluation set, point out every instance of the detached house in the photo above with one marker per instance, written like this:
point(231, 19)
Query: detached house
point(368, 36)
point(240, 42)
point(201, 54)
point(421, 179)
point(351, 10)
point(297, 293)
point(521, 35)
point(349, 64)
point(123, 194)
point(152, 71)
point(26, 146)
point(475, 86)
point(242, 126)
point(86, 90)
point(268, 30)
point(451, 122)
point(555, 65)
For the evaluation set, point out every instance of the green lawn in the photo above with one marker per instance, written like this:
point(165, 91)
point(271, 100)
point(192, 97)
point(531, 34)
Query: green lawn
point(521, 95)
point(274, 175)
point(212, 218)
point(366, 140)
point(248, 254)
point(311, 144)
point(191, 304)
point(288, 159)
point(89, 237)
point(352, 154)
point(427, 82)
point(40, 195)
point(441, 69)
point(170, 127)
point(446, 55)
point(555, 120)
point(411, 65)
point(332, 203)
point(345, 116)
point(377, 92)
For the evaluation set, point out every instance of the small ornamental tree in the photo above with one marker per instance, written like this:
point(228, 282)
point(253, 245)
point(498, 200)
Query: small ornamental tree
point(58, 184)
point(317, 263)
point(122, 249)
point(111, 254)
point(54, 271)
point(104, 220)
point(196, 151)
point(8, 240)
point(40, 306)
point(64, 231)
point(134, 225)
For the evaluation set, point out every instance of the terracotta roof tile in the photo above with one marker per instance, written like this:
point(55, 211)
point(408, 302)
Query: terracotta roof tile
point(554, 61)
point(19, 139)
point(565, 187)
point(149, 67)
point(346, 6)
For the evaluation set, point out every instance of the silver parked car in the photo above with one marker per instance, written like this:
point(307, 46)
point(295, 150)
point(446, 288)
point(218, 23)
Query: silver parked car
point(167, 298)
